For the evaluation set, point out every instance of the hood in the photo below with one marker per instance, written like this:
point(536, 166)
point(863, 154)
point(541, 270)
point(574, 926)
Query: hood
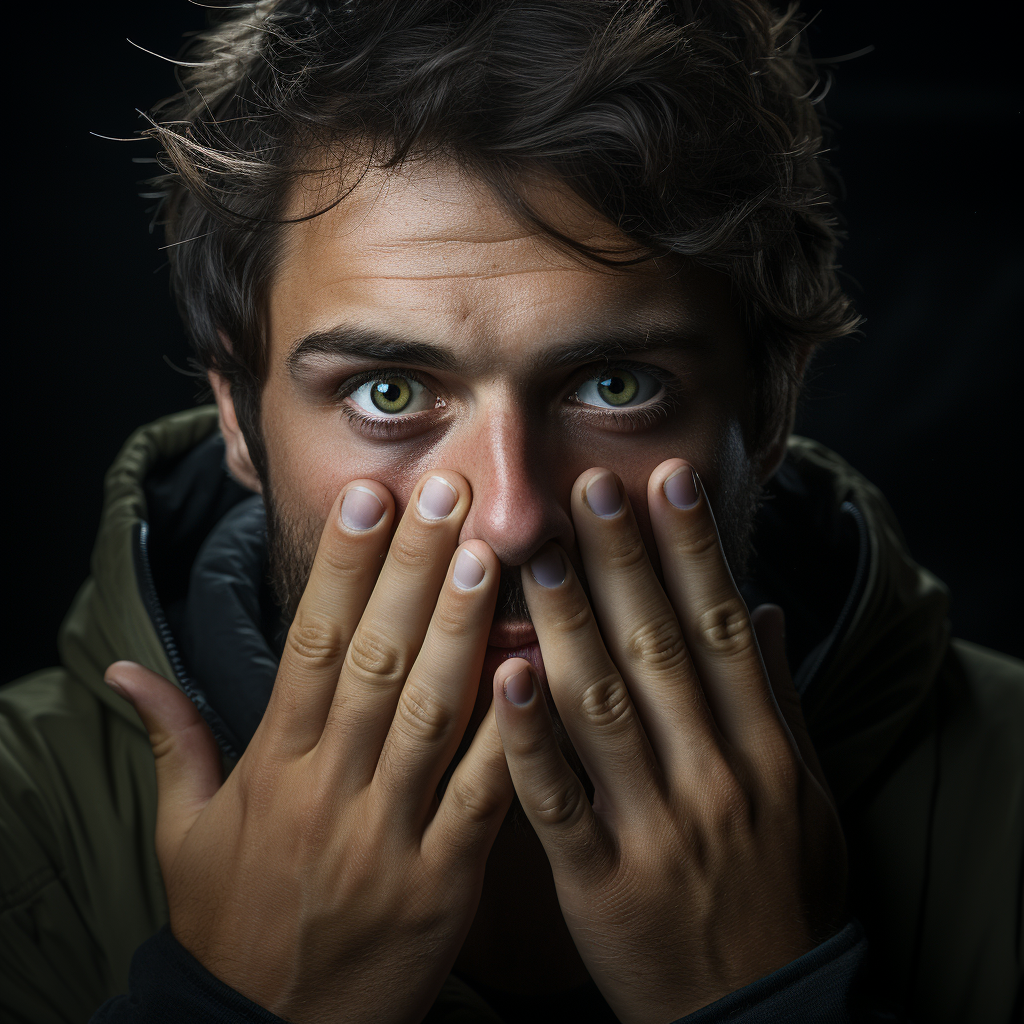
point(179, 571)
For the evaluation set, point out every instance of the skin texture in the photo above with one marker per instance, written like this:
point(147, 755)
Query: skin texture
point(326, 870)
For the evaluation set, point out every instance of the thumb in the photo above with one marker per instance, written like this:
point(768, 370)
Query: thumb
point(769, 622)
point(188, 766)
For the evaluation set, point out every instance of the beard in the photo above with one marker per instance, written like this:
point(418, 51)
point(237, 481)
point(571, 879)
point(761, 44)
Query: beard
point(293, 538)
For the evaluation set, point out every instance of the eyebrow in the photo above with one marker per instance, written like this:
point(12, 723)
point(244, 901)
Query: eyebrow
point(368, 344)
point(385, 346)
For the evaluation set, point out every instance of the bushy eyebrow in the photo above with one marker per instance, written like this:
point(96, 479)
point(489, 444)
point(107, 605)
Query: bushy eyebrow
point(613, 345)
point(383, 346)
point(368, 344)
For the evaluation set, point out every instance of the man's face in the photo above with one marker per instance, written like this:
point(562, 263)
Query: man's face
point(418, 326)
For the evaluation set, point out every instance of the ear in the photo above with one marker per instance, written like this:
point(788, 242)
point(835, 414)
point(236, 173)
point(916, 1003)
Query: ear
point(237, 451)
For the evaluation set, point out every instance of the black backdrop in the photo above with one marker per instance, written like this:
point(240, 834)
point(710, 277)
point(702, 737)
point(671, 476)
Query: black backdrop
point(925, 402)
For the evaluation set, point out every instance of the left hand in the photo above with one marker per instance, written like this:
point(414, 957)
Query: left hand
point(711, 854)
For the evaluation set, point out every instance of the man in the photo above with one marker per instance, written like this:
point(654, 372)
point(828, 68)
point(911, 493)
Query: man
point(497, 305)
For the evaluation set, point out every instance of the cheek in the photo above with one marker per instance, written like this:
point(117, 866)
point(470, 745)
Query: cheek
point(311, 458)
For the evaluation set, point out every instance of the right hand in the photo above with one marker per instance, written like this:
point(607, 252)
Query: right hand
point(323, 879)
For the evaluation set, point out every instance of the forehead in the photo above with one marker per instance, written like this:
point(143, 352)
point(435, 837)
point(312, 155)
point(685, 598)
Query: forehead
point(427, 250)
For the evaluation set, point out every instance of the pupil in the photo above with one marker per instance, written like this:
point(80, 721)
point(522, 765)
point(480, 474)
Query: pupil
point(619, 388)
point(391, 395)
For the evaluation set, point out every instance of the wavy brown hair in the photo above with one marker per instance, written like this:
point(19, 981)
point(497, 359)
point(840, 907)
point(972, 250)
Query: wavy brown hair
point(689, 125)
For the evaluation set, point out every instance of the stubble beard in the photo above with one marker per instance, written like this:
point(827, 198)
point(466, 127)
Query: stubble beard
point(293, 538)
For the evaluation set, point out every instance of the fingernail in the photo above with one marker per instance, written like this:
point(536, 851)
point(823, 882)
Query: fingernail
point(547, 568)
point(603, 496)
point(469, 570)
point(681, 488)
point(519, 688)
point(437, 498)
point(361, 508)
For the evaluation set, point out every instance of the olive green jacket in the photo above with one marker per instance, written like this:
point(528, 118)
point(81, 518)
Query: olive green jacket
point(922, 740)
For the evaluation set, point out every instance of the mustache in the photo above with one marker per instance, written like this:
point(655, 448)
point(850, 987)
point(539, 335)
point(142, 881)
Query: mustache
point(511, 605)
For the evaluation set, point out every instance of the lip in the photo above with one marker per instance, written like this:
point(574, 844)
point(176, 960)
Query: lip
point(496, 655)
point(511, 634)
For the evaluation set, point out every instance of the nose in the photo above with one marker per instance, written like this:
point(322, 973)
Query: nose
point(520, 494)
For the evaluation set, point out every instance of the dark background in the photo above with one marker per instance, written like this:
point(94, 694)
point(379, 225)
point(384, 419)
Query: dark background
point(925, 402)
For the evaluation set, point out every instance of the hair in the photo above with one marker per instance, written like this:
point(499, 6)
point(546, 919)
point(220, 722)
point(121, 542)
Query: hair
point(691, 126)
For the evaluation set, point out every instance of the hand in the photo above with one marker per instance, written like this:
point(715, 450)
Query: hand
point(323, 879)
point(711, 854)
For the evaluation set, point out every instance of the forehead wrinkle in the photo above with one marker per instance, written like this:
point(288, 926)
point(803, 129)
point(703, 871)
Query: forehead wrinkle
point(454, 276)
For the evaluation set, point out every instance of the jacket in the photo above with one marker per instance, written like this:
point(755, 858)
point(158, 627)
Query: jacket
point(920, 737)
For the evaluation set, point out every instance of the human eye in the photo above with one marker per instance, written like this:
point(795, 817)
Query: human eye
point(619, 387)
point(387, 395)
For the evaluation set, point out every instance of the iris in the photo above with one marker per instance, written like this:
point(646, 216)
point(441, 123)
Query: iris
point(618, 388)
point(391, 395)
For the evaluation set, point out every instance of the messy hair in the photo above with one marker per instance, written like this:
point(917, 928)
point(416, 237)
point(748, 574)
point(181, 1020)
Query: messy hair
point(690, 125)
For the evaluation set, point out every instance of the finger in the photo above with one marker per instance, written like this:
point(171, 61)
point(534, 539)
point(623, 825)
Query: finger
point(639, 624)
point(769, 622)
point(552, 796)
point(188, 765)
point(713, 614)
point(441, 691)
point(475, 803)
point(388, 638)
point(588, 691)
point(352, 546)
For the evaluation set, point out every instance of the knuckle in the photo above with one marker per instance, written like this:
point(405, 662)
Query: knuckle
point(423, 715)
point(532, 745)
point(572, 620)
point(724, 628)
point(700, 542)
point(412, 552)
point(449, 616)
point(562, 806)
point(471, 803)
point(625, 552)
point(658, 641)
point(342, 559)
point(605, 702)
point(314, 639)
point(373, 659)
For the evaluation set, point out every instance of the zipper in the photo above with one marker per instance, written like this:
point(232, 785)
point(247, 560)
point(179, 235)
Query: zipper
point(151, 601)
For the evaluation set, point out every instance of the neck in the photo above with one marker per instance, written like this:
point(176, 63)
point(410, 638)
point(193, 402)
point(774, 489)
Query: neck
point(519, 941)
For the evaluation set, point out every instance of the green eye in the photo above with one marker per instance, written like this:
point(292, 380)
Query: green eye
point(390, 395)
point(620, 387)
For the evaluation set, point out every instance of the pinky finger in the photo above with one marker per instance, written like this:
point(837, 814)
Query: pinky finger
point(475, 801)
point(552, 795)
point(769, 622)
